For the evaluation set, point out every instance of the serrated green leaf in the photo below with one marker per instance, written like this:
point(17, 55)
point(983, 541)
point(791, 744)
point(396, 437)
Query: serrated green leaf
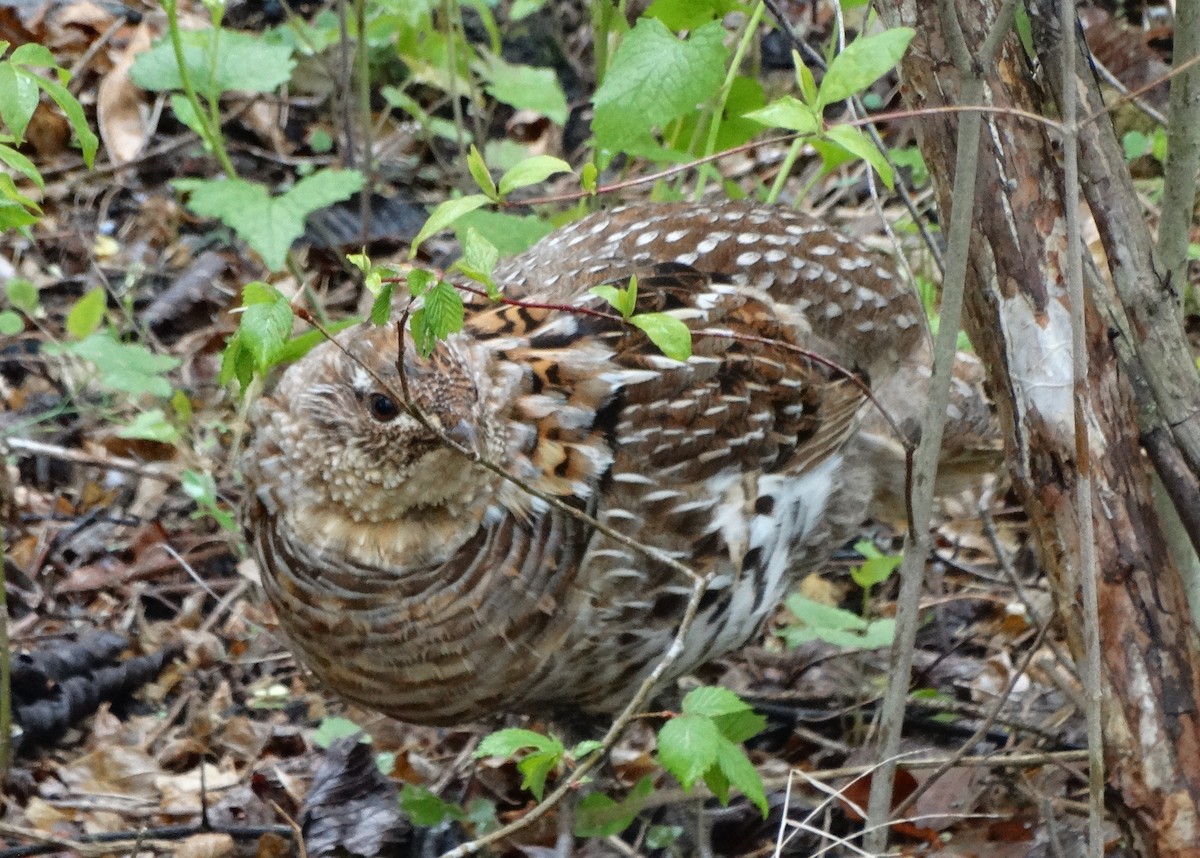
point(265, 325)
point(536, 767)
point(687, 747)
point(445, 214)
point(243, 62)
point(151, 425)
point(673, 337)
point(717, 783)
point(11, 323)
point(332, 729)
point(711, 701)
point(87, 313)
point(790, 113)
point(654, 78)
point(440, 315)
point(740, 726)
point(381, 307)
point(479, 172)
point(505, 743)
point(269, 224)
point(740, 772)
point(531, 171)
point(479, 255)
point(525, 88)
point(419, 281)
point(22, 294)
point(857, 143)
point(863, 62)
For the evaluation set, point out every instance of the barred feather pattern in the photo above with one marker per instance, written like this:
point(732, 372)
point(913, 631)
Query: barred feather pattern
point(417, 583)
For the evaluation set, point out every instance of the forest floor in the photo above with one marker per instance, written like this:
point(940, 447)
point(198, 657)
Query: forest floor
point(159, 711)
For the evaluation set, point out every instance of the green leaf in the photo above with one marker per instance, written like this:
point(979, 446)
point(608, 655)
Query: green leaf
point(301, 344)
point(790, 113)
point(381, 307)
point(587, 746)
point(525, 88)
point(835, 626)
point(425, 808)
point(243, 62)
point(11, 323)
point(266, 323)
point(505, 743)
point(624, 301)
point(478, 261)
point(688, 14)
point(202, 489)
point(588, 177)
point(124, 367)
point(854, 141)
point(510, 234)
point(18, 98)
point(151, 425)
point(420, 281)
point(804, 78)
point(332, 729)
point(531, 171)
point(673, 337)
point(479, 172)
point(33, 54)
point(269, 224)
point(875, 570)
point(22, 294)
point(18, 162)
point(87, 314)
point(654, 78)
point(600, 816)
point(186, 114)
point(445, 214)
point(536, 767)
point(711, 701)
point(440, 316)
point(73, 110)
point(736, 766)
point(687, 747)
point(863, 62)
point(740, 726)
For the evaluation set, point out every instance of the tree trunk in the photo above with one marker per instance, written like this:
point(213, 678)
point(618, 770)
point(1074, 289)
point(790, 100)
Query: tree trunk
point(1018, 317)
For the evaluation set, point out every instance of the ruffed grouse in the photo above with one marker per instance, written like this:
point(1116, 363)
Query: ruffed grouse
point(419, 584)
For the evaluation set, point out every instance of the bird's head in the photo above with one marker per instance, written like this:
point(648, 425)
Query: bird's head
point(343, 434)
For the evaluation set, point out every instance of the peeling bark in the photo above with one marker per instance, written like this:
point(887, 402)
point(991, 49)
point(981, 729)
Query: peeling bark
point(1018, 318)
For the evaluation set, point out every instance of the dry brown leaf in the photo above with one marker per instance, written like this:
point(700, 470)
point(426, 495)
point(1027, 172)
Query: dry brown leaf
point(206, 846)
point(121, 106)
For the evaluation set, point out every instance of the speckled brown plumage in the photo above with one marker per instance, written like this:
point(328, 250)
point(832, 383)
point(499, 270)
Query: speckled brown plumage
point(417, 583)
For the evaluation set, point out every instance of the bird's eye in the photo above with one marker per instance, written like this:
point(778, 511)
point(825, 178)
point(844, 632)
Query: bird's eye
point(383, 407)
